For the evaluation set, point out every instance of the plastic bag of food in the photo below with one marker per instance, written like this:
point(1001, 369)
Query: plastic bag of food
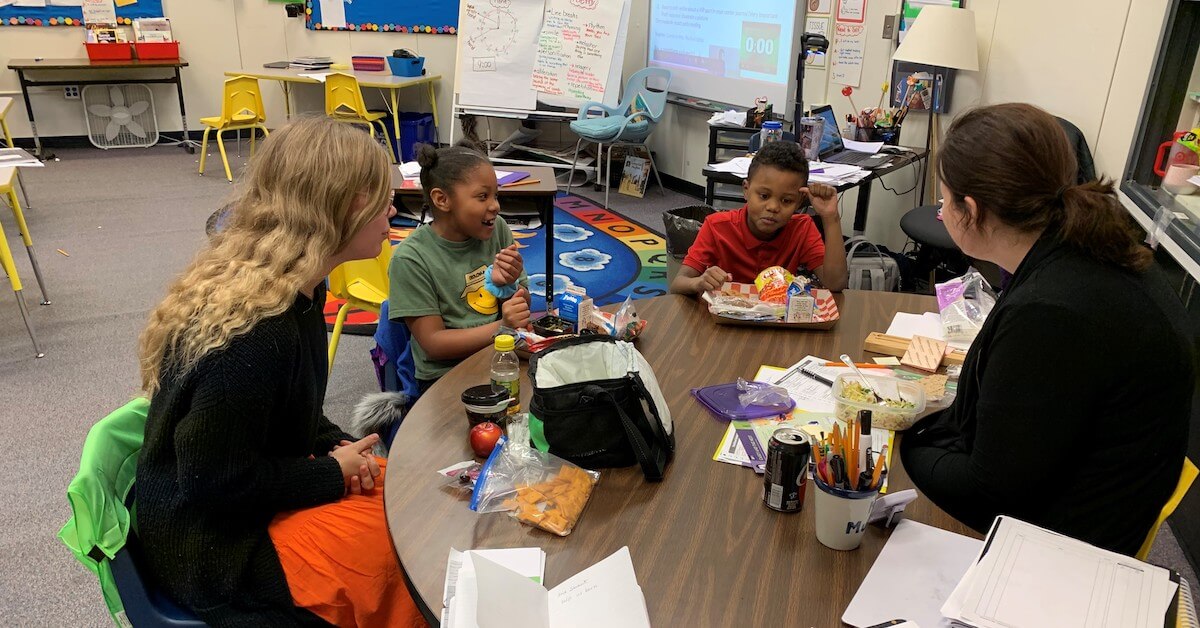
point(965, 303)
point(761, 394)
point(461, 476)
point(534, 487)
point(772, 284)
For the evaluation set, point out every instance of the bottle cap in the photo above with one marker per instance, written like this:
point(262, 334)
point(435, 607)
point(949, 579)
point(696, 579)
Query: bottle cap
point(505, 342)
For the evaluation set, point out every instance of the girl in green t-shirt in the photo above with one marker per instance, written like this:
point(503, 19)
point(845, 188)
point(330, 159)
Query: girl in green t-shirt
point(455, 281)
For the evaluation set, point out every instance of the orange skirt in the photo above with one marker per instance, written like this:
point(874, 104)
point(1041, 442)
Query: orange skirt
point(340, 565)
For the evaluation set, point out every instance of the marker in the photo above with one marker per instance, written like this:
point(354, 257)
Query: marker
point(864, 433)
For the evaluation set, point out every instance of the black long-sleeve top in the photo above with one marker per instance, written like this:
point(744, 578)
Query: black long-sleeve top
point(227, 448)
point(1072, 408)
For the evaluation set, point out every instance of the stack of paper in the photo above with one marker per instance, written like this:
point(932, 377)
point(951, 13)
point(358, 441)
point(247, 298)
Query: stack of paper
point(495, 594)
point(461, 590)
point(18, 157)
point(738, 165)
point(732, 118)
point(929, 324)
point(311, 63)
point(835, 174)
point(152, 29)
point(1027, 577)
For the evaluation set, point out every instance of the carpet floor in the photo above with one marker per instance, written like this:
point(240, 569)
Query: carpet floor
point(129, 220)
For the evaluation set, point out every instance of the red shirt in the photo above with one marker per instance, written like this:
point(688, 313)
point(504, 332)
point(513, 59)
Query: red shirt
point(726, 241)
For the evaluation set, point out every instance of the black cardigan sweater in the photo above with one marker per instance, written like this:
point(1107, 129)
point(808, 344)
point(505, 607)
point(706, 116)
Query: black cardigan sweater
point(1072, 408)
point(227, 448)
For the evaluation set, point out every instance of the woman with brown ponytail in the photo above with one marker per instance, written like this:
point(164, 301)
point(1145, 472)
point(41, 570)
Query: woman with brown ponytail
point(1073, 404)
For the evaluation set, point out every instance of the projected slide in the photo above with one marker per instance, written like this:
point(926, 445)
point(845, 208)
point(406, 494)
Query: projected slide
point(724, 40)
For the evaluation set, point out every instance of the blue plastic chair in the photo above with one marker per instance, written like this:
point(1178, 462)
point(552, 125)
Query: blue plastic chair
point(144, 604)
point(620, 125)
point(393, 360)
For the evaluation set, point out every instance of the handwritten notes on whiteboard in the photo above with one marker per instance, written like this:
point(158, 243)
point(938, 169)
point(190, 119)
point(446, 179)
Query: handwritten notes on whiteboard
point(575, 48)
point(497, 40)
point(846, 57)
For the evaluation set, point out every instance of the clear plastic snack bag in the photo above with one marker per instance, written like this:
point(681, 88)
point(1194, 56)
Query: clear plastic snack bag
point(964, 303)
point(760, 394)
point(627, 324)
point(534, 487)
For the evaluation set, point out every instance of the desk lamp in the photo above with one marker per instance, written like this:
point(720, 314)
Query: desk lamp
point(942, 37)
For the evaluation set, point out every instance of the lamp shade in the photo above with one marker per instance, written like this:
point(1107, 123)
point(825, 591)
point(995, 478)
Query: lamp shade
point(941, 36)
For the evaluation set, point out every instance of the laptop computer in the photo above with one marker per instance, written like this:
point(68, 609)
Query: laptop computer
point(835, 152)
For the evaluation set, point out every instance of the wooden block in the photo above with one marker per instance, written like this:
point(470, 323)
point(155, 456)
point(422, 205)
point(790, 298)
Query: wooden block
point(924, 353)
point(878, 342)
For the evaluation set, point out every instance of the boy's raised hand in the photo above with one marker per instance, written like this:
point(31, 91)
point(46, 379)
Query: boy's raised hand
point(824, 199)
point(712, 279)
point(508, 266)
point(515, 311)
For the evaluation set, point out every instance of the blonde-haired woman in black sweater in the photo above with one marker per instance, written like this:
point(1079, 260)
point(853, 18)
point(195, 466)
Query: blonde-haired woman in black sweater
point(245, 491)
point(1073, 405)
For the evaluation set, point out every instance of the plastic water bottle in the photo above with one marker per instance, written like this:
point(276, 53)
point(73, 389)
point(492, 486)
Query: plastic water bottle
point(772, 132)
point(506, 371)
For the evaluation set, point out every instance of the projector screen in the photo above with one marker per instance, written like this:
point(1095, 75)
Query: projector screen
point(730, 51)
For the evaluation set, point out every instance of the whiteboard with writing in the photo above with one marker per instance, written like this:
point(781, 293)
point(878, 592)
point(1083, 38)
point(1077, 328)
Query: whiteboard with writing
point(516, 54)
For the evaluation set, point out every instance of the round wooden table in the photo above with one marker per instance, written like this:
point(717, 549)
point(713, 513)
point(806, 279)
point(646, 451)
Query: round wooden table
point(707, 552)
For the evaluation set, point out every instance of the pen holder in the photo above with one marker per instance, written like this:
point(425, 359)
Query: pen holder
point(889, 135)
point(842, 515)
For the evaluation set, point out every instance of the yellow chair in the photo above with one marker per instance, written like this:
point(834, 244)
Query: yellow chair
point(363, 284)
point(344, 103)
point(8, 189)
point(1186, 477)
point(10, 267)
point(241, 108)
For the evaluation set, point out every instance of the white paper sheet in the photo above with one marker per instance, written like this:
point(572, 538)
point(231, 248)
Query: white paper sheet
point(333, 13)
point(846, 54)
point(575, 48)
point(862, 147)
point(738, 165)
point(1195, 180)
point(732, 118)
point(929, 324)
point(1035, 578)
point(29, 3)
point(99, 12)
point(318, 76)
point(497, 43)
point(912, 577)
point(460, 594)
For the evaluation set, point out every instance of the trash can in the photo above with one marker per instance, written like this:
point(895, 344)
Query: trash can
point(682, 226)
point(415, 128)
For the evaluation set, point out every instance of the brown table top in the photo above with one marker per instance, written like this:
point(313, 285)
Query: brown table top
point(898, 161)
point(543, 174)
point(707, 552)
point(84, 63)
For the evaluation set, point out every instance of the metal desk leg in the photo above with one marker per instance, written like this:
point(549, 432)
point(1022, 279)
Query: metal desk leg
point(287, 99)
point(433, 107)
point(863, 206)
point(24, 192)
point(547, 206)
point(37, 140)
point(186, 143)
point(396, 125)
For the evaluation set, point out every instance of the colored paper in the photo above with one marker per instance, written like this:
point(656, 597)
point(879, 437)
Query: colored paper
point(125, 3)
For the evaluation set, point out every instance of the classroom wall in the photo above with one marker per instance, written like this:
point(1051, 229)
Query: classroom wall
point(217, 37)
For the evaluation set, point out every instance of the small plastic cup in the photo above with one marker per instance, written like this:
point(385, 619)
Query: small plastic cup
point(841, 515)
point(486, 403)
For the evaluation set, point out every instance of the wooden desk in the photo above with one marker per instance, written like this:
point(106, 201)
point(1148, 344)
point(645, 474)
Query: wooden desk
point(539, 195)
point(378, 80)
point(706, 550)
point(712, 178)
point(96, 67)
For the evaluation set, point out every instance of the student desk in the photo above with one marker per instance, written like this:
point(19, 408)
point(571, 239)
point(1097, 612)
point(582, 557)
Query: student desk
point(905, 160)
point(539, 195)
point(87, 66)
point(379, 80)
point(707, 552)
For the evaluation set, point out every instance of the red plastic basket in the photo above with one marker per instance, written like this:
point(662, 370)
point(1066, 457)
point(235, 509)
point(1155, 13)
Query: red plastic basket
point(157, 50)
point(368, 64)
point(109, 52)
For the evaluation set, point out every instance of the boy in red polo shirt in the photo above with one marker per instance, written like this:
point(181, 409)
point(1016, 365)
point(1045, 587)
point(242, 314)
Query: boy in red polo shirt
point(767, 231)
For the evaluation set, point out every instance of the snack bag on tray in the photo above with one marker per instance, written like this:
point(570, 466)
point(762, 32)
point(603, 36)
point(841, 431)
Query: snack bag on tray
point(772, 285)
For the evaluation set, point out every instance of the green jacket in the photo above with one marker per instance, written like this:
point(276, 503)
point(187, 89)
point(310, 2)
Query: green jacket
point(100, 522)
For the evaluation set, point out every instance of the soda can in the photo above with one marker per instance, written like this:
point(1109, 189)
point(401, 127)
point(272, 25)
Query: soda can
point(809, 134)
point(787, 470)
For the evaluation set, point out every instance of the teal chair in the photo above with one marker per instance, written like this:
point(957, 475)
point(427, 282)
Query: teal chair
point(628, 124)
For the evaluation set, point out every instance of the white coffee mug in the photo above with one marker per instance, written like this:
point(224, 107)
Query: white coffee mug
point(842, 515)
point(1176, 179)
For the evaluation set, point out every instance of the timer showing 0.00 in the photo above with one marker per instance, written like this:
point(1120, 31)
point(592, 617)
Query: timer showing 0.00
point(759, 50)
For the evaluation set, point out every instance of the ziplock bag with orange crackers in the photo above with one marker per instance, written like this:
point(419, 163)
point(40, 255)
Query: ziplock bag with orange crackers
point(534, 487)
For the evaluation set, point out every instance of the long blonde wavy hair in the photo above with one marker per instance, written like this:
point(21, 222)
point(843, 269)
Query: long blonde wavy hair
point(290, 215)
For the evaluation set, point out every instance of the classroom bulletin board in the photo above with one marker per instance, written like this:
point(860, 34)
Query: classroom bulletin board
point(70, 12)
point(394, 16)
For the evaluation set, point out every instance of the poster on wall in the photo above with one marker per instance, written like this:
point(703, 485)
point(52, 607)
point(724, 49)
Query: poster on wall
point(70, 12)
point(575, 48)
point(384, 16)
point(99, 12)
point(846, 54)
point(497, 42)
point(923, 98)
point(820, 7)
point(852, 11)
point(818, 26)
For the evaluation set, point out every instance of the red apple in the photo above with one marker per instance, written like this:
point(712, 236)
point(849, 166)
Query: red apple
point(484, 437)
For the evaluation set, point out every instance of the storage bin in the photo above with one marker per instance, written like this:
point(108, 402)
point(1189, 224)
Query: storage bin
point(368, 64)
point(415, 128)
point(147, 50)
point(407, 66)
point(109, 52)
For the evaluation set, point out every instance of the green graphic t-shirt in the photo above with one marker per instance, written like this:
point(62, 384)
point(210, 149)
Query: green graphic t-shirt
point(429, 275)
